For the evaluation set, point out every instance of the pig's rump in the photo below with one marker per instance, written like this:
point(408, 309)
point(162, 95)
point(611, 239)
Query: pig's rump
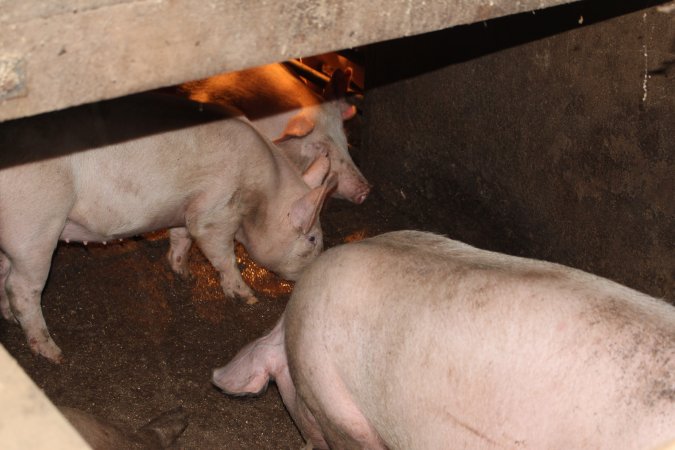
point(440, 344)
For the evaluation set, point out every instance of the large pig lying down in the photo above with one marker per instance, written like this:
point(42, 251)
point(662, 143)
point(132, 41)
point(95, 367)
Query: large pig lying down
point(413, 341)
point(123, 167)
point(288, 112)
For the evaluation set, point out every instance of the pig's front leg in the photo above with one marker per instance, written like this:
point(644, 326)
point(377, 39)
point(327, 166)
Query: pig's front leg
point(219, 250)
point(215, 237)
point(180, 243)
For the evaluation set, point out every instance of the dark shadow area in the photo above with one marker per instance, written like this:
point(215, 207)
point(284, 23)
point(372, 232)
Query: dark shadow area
point(667, 67)
point(540, 133)
point(97, 125)
point(416, 55)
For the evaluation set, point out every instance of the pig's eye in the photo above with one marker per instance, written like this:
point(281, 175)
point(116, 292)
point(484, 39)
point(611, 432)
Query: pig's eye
point(312, 239)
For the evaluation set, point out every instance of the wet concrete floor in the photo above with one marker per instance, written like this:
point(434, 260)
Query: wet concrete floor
point(139, 341)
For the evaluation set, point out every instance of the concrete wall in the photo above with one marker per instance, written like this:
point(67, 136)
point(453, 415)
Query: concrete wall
point(28, 420)
point(59, 54)
point(550, 135)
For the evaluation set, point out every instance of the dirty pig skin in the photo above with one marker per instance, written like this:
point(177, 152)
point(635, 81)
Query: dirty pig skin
point(119, 168)
point(288, 112)
point(410, 340)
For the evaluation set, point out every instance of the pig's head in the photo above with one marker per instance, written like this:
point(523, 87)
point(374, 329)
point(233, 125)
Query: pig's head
point(319, 128)
point(284, 233)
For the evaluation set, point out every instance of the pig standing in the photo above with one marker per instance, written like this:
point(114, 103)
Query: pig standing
point(413, 341)
point(285, 110)
point(124, 167)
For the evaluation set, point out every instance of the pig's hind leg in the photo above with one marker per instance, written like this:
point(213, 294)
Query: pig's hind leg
point(23, 286)
point(179, 248)
point(26, 266)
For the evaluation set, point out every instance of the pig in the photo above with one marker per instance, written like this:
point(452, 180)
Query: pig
point(161, 432)
point(329, 62)
point(288, 112)
point(410, 340)
point(115, 169)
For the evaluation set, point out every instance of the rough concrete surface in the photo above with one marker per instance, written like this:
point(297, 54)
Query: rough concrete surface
point(555, 129)
point(69, 52)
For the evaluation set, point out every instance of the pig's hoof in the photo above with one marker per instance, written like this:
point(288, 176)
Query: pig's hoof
point(180, 267)
point(247, 296)
point(181, 270)
point(48, 349)
point(186, 276)
point(308, 446)
point(239, 291)
point(7, 314)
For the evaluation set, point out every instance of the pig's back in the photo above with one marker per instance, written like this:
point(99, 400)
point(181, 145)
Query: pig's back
point(269, 95)
point(439, 342)
point(129, 165)
point(258, 92)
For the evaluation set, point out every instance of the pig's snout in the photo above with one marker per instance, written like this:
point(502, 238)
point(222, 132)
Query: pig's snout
point(354, 192)
point(351, 186)
point(361, 196)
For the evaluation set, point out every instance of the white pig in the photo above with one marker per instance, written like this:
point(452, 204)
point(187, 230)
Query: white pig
point(288, 112)
point(115, 169)
point(410, 340)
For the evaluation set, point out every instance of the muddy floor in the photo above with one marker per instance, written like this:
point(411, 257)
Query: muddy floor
point(139, 341)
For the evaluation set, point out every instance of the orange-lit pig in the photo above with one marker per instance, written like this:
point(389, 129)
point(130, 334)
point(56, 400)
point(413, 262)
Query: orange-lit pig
point(287, 111)
point(413, 341)
point(119, 168)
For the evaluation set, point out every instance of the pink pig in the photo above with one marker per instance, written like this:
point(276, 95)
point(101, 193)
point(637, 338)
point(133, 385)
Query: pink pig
point(413, 341)
point(124, 167)
point(285, 110)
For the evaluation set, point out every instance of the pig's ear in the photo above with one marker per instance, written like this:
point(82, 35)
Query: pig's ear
point(249, 372)
point(348, 111)
point(247, 375)
point(305, 211)
point(318, 170)
point(338, 84)
point(300, 125)
point(336, 89)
